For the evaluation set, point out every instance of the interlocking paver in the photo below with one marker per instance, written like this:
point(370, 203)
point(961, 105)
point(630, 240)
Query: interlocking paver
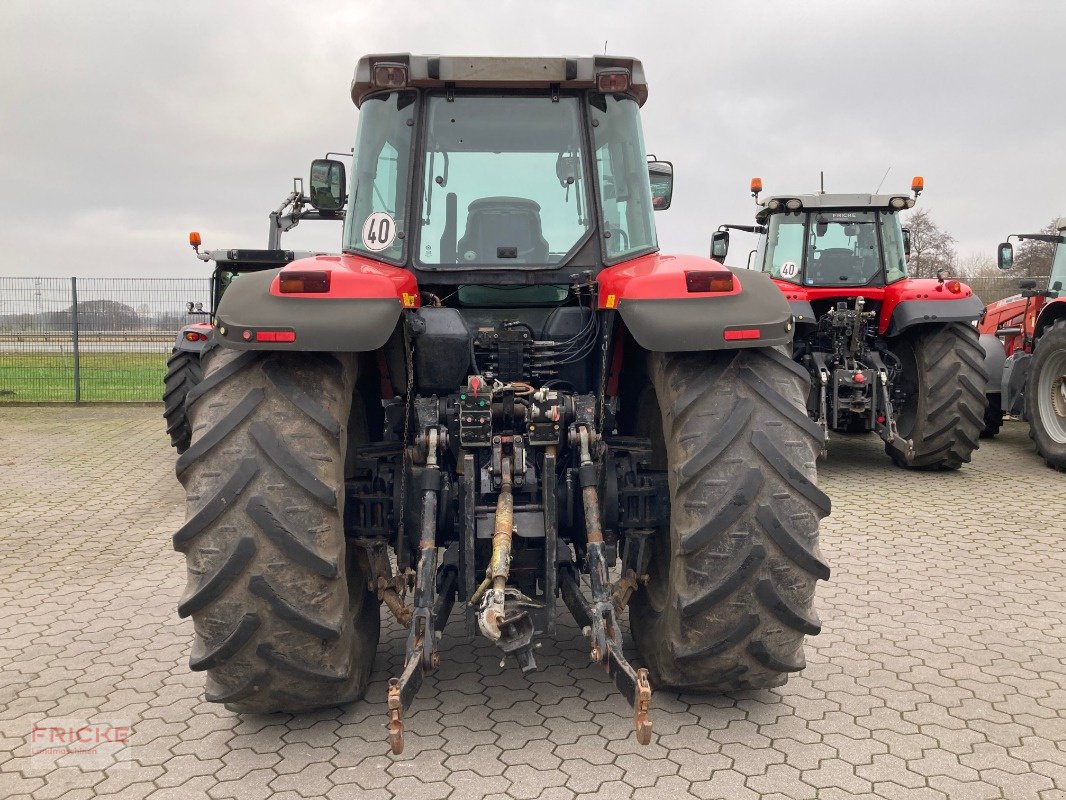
point(939, 673)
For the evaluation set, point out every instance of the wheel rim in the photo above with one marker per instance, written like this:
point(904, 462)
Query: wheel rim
point(1051, 396)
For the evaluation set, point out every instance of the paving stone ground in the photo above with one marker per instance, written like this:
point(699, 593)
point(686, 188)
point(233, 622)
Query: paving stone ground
point(939, 672)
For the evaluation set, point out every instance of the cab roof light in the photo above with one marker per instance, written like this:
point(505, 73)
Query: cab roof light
point(917, 185)
point(390, 75)
point(794, 204)
point(708, 281)
point(612, 80)
point(304, 282)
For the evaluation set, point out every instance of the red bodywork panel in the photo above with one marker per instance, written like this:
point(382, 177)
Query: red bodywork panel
point(889, 296)
point(1027, 313)
point(202, 327)
point(355, 277)
point(656, 277)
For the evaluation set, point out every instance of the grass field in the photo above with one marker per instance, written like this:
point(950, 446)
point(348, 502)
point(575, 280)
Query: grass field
point(105, 377)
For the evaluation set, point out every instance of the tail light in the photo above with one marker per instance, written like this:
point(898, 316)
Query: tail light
point(275, 336)
point(195, 336)
point(708, 281)
point(739, 334)
point(954, 286)
point(304, 282)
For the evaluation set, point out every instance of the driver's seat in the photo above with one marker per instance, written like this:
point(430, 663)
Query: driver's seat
point(502, 222)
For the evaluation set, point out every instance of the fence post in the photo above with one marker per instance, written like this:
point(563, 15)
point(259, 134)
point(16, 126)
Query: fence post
point(74, 336)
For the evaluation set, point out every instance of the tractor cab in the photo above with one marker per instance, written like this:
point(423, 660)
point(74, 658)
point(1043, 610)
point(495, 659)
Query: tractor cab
point(833, 240)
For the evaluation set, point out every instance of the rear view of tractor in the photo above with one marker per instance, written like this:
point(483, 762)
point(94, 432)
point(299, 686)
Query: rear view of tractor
point(499, 396)
point(886, 352)
point(1029, 331)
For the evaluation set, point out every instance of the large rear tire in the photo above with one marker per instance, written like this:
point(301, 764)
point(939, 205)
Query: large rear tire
point(283, 616)
point(183, 373)
point(731, 590)
point(1045, 396)
point(944, 377)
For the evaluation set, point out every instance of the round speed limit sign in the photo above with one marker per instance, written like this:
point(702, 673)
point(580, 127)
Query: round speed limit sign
point(379, 231)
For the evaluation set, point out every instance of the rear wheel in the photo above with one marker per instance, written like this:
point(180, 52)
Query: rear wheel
point(283, 616)
point(731, 582)
point(943, 377)
point(183, 373)
point(1045, 396)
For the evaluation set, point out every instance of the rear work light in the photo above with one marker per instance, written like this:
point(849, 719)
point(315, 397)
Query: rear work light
point(390, 75)
point(609, 81)
point(304, 282)
point(707, 281)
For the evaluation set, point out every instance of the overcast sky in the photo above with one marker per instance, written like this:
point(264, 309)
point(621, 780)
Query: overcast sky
point(125, 125)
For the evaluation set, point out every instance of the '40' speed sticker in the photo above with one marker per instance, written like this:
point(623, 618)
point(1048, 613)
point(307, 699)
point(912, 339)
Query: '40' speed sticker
point(379, 231)
point(790, 269)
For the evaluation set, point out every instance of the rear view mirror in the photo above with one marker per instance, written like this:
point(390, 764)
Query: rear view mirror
point(327, 184)
point(720, 245)
point(661, 175)
point(907, 242)
point(1005, 256)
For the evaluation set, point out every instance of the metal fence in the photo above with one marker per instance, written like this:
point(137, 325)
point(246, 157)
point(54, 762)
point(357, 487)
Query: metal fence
point(86, 340)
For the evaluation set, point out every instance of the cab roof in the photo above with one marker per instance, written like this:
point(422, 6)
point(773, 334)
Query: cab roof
point(834, 202)
point(498, 72)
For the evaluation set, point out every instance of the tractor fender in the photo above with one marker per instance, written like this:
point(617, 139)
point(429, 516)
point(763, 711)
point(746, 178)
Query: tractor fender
point(909, 313)
point(357, 314)
point(186, 344)
point(651, 295)
point(995, 355)
point(1052, 311)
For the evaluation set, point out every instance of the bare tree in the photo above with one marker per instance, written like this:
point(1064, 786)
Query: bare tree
point(931, 248)
point(1033, 259)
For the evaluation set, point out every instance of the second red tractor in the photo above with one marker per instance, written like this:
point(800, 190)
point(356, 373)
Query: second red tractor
point(887, 352)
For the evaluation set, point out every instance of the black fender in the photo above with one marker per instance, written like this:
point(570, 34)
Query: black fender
point(917, 312)
point(802, 313)
point(759, 315)
point(325, 324)
point(995, 356)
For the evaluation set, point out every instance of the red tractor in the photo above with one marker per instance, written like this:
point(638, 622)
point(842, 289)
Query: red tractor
point(499, 390)
point(1029, 330)
point(886, 352)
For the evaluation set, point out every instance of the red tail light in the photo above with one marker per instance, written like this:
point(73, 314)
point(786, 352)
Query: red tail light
point(304, 282)
point(275, 336)
point(707, 281)
point(742, 333)
point(953, 286)
point(195, 336)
